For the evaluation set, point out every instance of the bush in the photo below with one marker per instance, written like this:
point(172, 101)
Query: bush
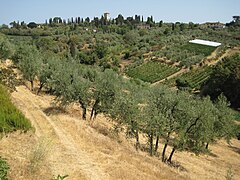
point(3, 169)
point(182, 83)
point(11, 119)
point(6, 48)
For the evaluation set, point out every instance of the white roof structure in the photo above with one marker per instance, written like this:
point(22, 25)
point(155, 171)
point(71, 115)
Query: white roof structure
point(204, 42)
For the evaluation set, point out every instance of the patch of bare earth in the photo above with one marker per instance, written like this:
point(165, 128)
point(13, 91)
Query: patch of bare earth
point(84, 150)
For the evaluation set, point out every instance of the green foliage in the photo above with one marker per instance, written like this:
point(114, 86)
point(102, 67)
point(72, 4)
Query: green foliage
point(3, 169)
point(179, 119)
point(151, 71)
point(6, 48)
point(198, 49)
point(237, 116)
point(194, 78)
point(29, 62)
point(101, 50)
point(59, 177)
point(182, 83)
point(131, 37)
point(225, 78)
point(11, 119)
point(106, 86)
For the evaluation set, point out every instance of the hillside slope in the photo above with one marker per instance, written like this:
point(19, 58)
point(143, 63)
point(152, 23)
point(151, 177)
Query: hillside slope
point(85, 151)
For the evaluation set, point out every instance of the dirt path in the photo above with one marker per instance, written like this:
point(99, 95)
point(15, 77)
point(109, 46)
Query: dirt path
point(85, 151)
point(210, 61)
point(77, 163)
point(94, 152)
point(228, 52)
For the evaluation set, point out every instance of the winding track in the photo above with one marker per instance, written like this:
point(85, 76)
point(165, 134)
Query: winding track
point(68, 156)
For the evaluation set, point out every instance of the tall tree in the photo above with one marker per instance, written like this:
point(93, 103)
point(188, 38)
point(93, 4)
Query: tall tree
point(29, 63)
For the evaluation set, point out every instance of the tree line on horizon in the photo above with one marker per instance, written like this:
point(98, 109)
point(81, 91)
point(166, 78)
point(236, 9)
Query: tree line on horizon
point(96, 21)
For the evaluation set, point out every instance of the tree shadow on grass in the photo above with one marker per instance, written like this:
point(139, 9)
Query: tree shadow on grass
point(54, 110)
point(176, 165)
point(173, 164)
point(235, 149)
point(212, 154)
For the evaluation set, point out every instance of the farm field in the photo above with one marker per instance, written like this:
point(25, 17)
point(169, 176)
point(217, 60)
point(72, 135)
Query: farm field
point(198, 49)
point(152, 71)
point(194, 78)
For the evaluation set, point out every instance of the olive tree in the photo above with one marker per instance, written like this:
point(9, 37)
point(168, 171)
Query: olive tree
point(6, 48)
point(29, 63)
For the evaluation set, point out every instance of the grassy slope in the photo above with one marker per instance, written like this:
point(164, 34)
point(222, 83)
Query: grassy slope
point(11, 119)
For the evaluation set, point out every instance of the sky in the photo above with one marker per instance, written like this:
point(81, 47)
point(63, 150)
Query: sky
point(197, 11)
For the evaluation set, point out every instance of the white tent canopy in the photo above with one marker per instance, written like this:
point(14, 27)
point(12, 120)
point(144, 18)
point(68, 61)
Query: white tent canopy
point(204, 42)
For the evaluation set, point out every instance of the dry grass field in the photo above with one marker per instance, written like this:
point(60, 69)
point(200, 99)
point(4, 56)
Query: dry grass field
point(64, 144)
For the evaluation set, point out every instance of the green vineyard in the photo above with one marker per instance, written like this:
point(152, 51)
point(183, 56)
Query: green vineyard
point(152, 72)
point(198, 49)
point(196, 78)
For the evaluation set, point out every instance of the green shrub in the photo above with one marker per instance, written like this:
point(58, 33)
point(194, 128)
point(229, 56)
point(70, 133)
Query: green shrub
point(3, 169)
point(11, 119)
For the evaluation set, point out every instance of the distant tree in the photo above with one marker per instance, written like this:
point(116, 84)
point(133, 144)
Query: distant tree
point(120, 20)
point(96, 21)
point(191, 25)
point(50, 21)
point(78, 20)
point(182, 27)
point(101, 50)
point(73, 49)
point(160, 23)
point(131, 37)
point(166, 31)
point(3, 26)
point(15, 24)
point(87, 20)
point(173, 26)
point(23, 25)
point(32, 25)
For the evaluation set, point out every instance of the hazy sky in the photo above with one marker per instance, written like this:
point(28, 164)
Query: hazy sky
point(167, 10)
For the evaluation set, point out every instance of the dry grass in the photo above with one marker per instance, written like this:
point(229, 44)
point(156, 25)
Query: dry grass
point(16, 149)
point(82, 149)
point(39, 154)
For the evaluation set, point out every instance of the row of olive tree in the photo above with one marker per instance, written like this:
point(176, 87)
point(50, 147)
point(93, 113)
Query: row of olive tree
point(176, 118)
point(181, 120)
